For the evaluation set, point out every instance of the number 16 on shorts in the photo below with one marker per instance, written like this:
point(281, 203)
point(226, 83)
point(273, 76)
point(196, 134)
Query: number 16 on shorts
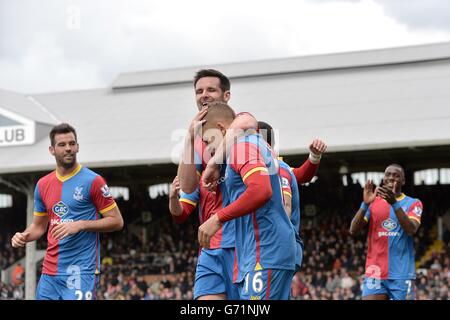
point(266, 284)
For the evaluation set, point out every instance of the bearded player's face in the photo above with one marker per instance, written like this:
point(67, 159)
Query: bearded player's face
point(65, 150)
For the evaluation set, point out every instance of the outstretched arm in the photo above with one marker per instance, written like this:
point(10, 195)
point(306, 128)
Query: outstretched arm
point(112, 221)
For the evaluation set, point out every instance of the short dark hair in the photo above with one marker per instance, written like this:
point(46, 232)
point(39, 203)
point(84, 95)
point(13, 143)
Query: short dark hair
point(224, 81)
point(267, 132)
point(397, 166)
point(61, 129)
point(221, 109)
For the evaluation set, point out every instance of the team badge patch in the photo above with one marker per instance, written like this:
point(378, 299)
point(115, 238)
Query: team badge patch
point(417, 211)
point(105, 191)
point(78, 195)
point(284, 182)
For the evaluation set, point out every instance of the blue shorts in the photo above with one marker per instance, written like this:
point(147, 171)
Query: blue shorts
point(68, 287)
point(298, 256)
point(394, 289)
point(214, 273)
point(266, 284)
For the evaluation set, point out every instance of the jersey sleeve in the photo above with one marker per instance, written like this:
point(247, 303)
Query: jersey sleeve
point(188, 202)
point(415, 211)
point(101, 196)
point(306, 172)
point(286, 181)
point(246, 159)
point(190, 198)
point(367, 215)
point(39, 207)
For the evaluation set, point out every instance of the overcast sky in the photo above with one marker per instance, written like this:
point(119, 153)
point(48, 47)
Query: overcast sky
point(56, 45)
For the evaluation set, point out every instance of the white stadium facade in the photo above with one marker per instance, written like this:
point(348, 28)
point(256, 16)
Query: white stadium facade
point(371, 107)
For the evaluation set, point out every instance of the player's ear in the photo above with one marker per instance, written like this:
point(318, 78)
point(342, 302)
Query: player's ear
point(51, 150)
point(226, 95)
point(222, 127)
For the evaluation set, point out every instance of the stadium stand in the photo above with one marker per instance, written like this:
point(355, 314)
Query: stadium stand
point(159, 263)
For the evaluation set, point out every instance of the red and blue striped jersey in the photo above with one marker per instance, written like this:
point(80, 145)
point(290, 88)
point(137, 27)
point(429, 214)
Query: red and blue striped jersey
point(265, 238)
point(208, 204)
point(82, 195)
point(390, 252)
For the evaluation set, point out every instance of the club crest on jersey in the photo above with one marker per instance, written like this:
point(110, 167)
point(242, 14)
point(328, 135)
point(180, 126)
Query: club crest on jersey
point(105, 191)
point(417, 211)
point(389, 224)
point(77, 195)
point(60, 209)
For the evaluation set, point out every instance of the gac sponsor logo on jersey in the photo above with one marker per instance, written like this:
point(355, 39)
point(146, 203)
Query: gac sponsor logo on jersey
point(105, 191)
point(60, 209)
point(57, 221)
point(417, 211)
point(388, 225)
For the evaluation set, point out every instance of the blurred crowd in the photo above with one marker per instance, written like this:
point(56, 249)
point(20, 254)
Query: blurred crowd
point(160, 268)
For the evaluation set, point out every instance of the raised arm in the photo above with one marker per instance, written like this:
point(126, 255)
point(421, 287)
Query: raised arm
point(308, 169)
point(187, 170)
point(180, 208)
point(359, 221)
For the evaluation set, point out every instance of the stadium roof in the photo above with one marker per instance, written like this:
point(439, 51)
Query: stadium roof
point(366, 100)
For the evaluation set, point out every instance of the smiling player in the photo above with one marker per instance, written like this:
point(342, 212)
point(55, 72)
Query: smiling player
point(393, 219)
point(70, 201)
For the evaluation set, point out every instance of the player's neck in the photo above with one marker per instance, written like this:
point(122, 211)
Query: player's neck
point(62, 171)
point(399, 194)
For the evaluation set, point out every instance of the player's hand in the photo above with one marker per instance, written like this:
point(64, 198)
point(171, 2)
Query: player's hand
point(387, 194)
point(207, 230)
point(197, 122)
point(175, 188)
point(317, 147)
point(369, 193)
point(19, 239)
point(63, 230)
point(210, 176)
